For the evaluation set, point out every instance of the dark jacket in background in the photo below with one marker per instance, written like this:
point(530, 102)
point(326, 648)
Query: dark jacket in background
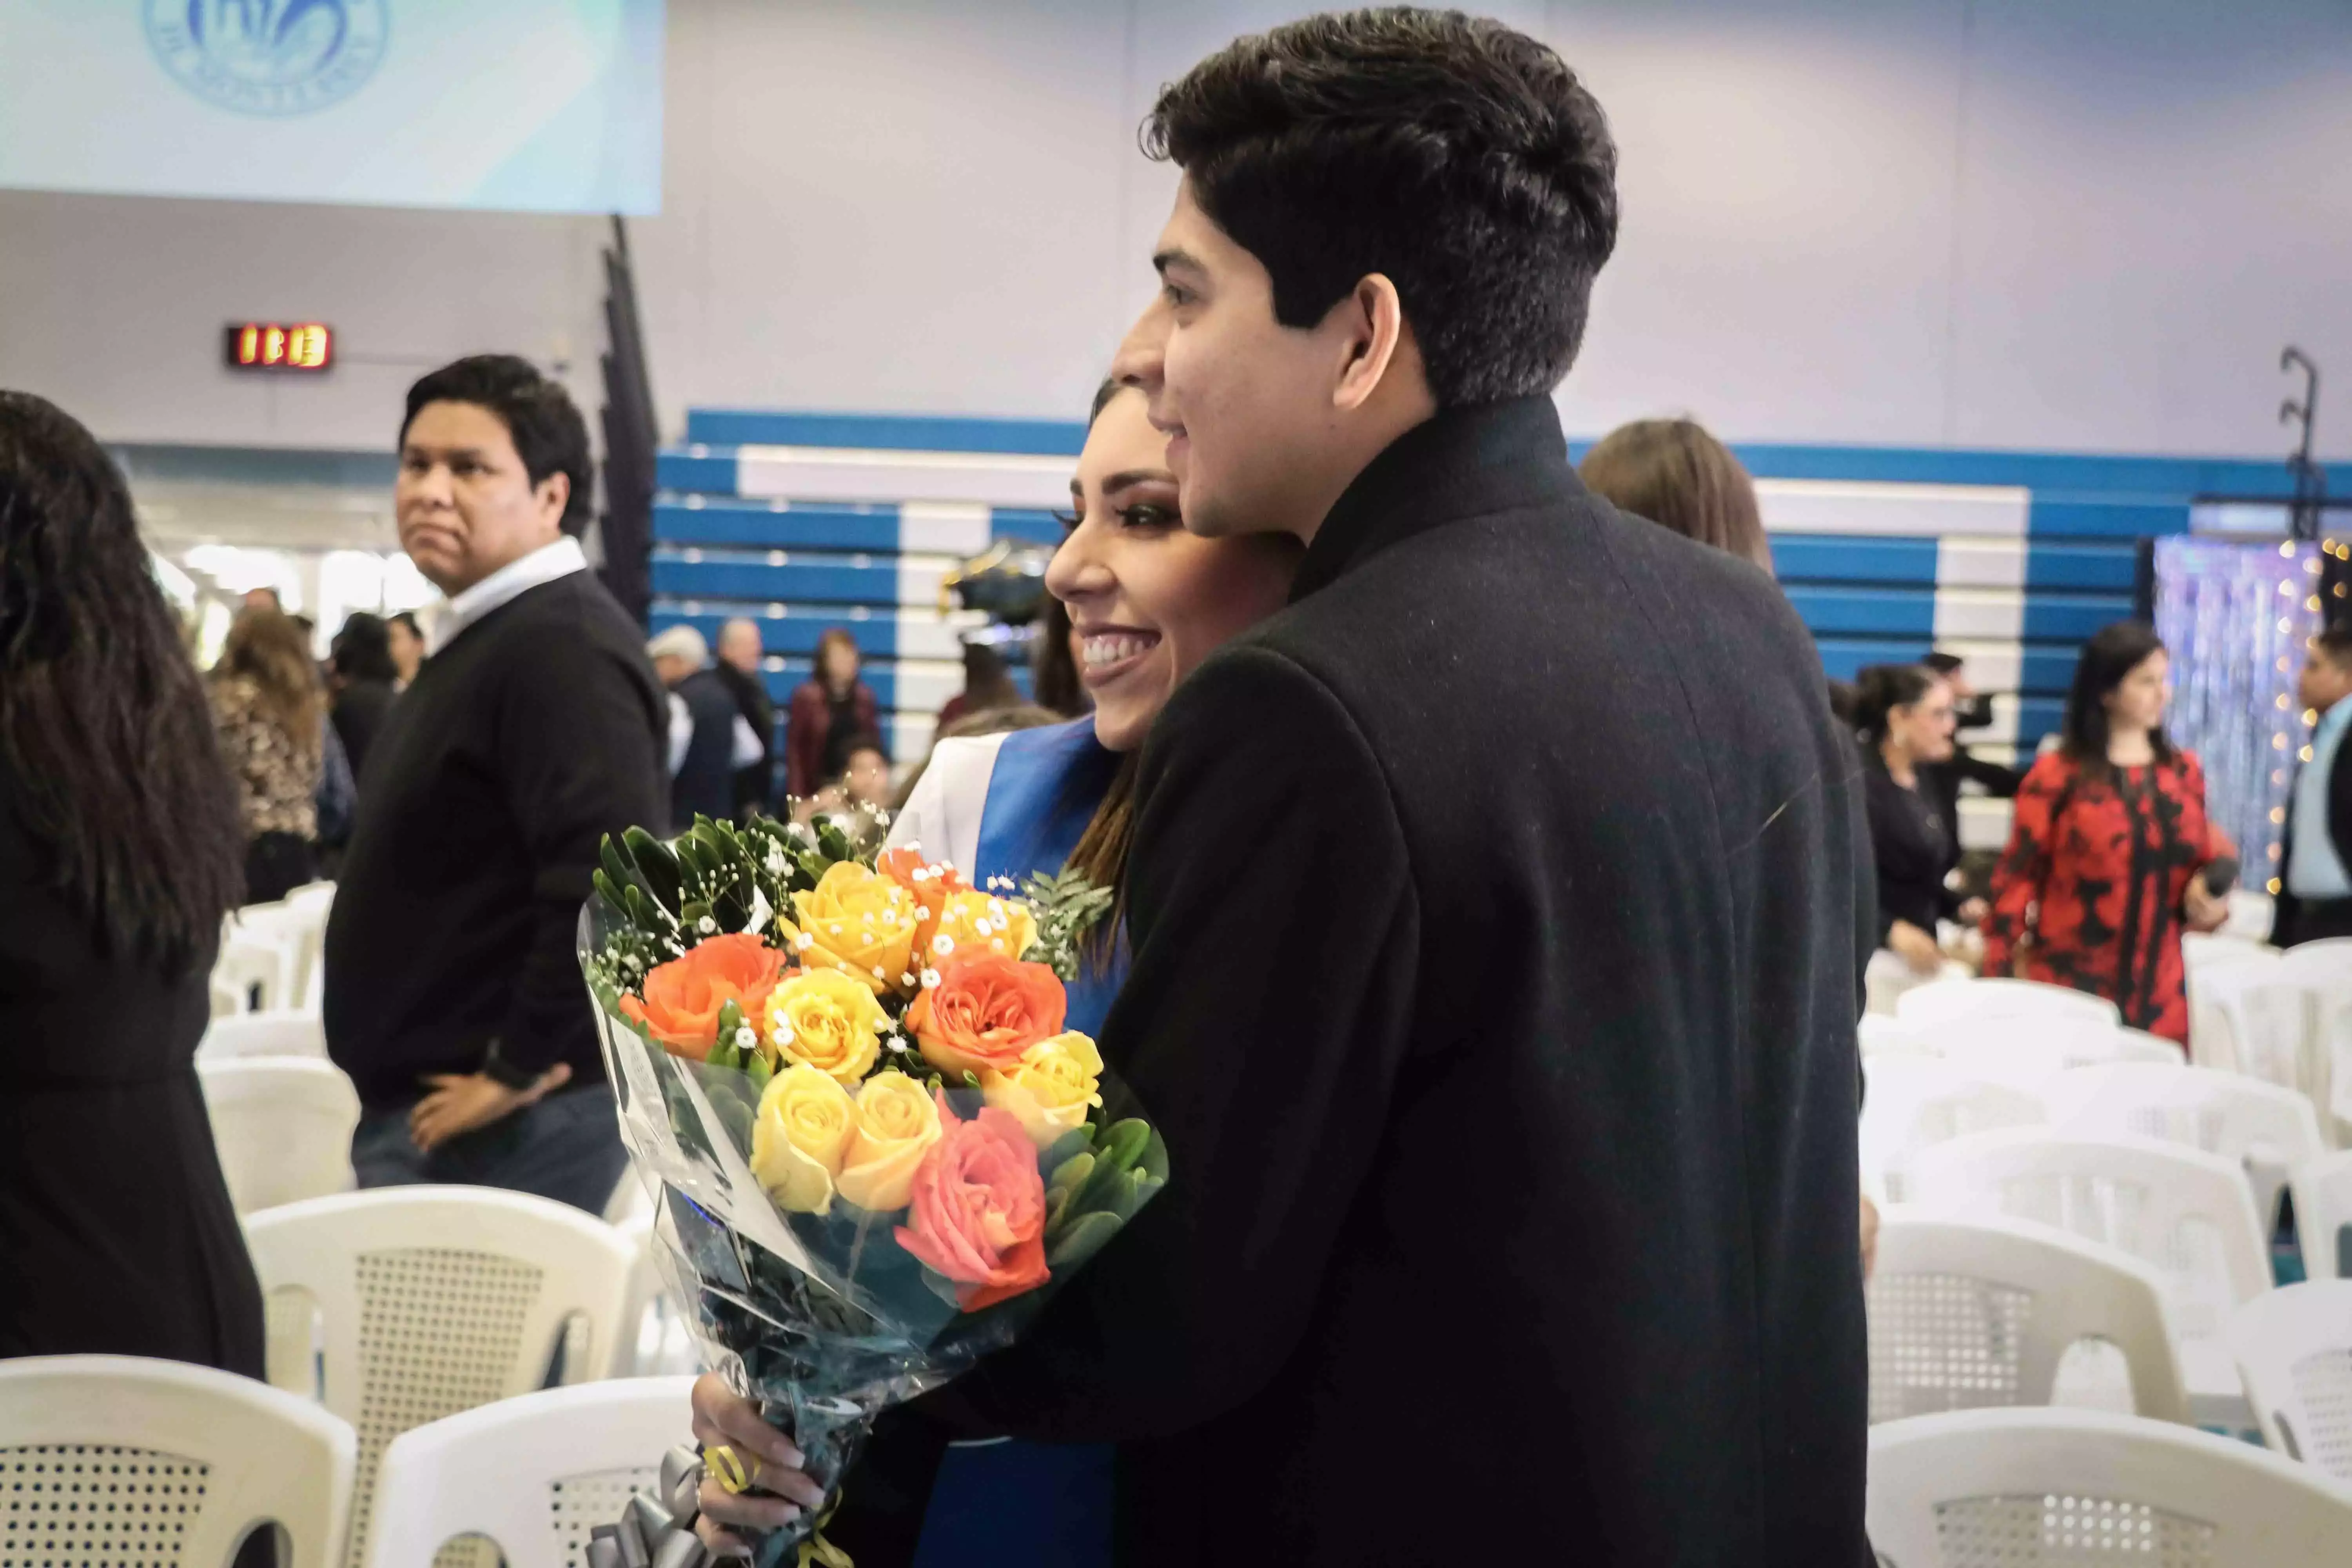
point(1939, 785)
point(520, 745)
point(754, 785)
point(705, 782)
point(2296, 920)
point(359, 712)
point(1912, 848)
point(811, 754)
point(1494, 954)
point(117, 1236)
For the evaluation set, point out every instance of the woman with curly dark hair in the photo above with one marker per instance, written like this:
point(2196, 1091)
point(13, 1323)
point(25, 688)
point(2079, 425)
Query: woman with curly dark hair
point(270, 707)
point(119, 856)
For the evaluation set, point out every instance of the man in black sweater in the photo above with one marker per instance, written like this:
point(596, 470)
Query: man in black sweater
point(1492, 906)
point(740, 653)
point(533, 728)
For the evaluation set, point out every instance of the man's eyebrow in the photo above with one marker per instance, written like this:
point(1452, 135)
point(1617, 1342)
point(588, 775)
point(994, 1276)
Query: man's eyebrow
point(1176, 256)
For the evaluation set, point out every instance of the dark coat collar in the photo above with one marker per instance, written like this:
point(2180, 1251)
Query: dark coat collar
point(1462, 463)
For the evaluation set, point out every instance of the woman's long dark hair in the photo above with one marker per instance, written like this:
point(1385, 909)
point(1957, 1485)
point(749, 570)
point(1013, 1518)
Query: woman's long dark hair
point(105, 734)
point(2114, 651)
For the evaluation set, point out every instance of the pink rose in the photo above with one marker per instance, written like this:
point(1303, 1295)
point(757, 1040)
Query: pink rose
point(978, 1208)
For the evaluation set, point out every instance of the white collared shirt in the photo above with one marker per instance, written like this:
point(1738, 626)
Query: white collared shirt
point(441, 623)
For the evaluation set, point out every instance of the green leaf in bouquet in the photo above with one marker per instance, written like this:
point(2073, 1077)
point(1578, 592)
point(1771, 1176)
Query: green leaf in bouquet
point(1071, 1173)
point(617, 867)
point(1154, 1162)
point(655, 863)
point(609, 891)
point(730, 1021)
point(758, 1072)
point(1078, 1140)
point(1122, 1143)
point(1080, 1240)
point(1057, 1203)
point(723, 1053)
point(690, 920)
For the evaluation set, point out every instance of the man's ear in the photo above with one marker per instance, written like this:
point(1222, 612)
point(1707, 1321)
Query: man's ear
point(1371, 336)
point(553, 494)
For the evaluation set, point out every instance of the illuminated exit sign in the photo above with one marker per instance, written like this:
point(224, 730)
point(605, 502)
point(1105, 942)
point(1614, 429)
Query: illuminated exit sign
point(273, 345)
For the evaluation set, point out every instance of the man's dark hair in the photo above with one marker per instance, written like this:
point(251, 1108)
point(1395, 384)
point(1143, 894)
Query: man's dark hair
point(1461, 159)
point(406, 621)
point(1943, 664)
point(549, 434)
point(2335, 641)
point(362, 649)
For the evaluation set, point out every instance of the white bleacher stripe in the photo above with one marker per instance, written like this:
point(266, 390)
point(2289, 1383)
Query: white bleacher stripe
point(920, 577)
point(1984, 822)
point(1980, 564)
point(2002, 731)
point(1918, 512)
point(1988, 615)
point(835, 474)
point(958, 528)
point(924, 685)
point(1992, 667)
point(910, 736)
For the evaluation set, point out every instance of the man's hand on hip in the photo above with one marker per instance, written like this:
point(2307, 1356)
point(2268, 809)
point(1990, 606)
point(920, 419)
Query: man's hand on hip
point(460, 1102)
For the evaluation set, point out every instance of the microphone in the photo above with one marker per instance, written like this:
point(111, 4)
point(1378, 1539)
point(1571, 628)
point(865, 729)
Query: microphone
point(2220, 874)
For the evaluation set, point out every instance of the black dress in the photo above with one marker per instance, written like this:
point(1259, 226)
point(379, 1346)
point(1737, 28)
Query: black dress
point(115, 1232)
point(1914, 847)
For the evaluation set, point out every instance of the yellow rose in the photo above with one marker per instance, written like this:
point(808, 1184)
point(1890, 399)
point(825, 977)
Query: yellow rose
point(858, 921)
point(823, 1018)
point(898, 1121)
point(798, 1137)
point(1050, 1088)
point(984, 921)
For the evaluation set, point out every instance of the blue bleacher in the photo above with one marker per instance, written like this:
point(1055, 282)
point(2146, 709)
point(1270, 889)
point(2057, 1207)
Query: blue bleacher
point(2010, 559)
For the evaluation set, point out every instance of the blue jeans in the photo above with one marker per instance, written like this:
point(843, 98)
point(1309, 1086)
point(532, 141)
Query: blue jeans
point(567, 1147)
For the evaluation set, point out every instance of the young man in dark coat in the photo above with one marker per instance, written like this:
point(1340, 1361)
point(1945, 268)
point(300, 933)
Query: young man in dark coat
point(1492, 906)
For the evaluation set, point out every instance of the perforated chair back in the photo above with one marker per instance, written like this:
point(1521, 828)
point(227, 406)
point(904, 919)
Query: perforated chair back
point(1975, 1312)
point(298, 922)
point(1914, 1102)
point(532, 1474)
point(281, 1033)
point(121, 1460)
point(2186, 1213)
point(2267, 1130)
point(433, 1301)
point(2323, 1216)
point(1947, 1000)
point(2031, 1487)
point(2028, 1050)
point(282, 1127)
point(2294, 1351)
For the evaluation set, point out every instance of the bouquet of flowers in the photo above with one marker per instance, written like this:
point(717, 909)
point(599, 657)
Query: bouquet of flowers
point(877, 1148)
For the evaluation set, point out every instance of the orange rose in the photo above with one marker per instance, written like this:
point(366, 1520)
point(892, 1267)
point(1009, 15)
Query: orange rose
point(931, 881)
point(977, 1212)
point(683, 996)
point(985, 1010)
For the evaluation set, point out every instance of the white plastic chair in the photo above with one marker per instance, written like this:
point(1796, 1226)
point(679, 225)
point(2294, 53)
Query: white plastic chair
point(2186, 1213)
point(433, 1301)
point(215, 1455)
point(299, 920)
point(1913, 1102)
point(282, 1127)
point(2217, 970)
point(257, 969)
point(1982, 1311)
point(2026, 1050)
point(1949, 999)
point(2323, 1216)
point(2267, 1130)
point(534, 1475)
point(283, 1033)
point(2293, 1348)
point(2031, 1487)
point(2252, 915)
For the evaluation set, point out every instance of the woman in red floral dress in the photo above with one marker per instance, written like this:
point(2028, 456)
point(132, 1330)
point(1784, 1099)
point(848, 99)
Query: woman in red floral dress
point(2102, 872)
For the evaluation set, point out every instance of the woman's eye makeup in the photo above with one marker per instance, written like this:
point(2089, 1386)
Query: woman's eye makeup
point(1147, 514)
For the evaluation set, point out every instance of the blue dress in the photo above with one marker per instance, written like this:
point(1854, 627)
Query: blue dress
point(1012, 1503)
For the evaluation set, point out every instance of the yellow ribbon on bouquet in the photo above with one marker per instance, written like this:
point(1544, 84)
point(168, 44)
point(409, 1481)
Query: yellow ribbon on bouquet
point(727, 1467)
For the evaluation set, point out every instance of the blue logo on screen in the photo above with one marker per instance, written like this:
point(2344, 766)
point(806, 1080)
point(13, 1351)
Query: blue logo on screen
point(268, 56)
